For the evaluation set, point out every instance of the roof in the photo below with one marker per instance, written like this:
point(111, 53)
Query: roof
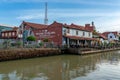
point(56, 24)
point(90, 28)
point(13, 29)
point(106, 33)
point(102, 36)
point(8, 31)
point(35, 25)
point(43, 26)
point(80, 38)
point(74, 26)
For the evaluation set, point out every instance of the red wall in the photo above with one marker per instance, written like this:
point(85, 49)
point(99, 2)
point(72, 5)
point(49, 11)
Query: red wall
point(58, 33)
point(9, 36)
point(53, 33)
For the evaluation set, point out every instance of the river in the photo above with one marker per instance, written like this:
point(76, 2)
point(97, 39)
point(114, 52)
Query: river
point(101, 66)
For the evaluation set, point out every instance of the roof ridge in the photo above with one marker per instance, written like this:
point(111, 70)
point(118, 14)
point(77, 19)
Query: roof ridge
point(34, 23)
point(77, 25)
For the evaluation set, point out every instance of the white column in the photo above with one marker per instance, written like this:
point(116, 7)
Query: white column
point(77, 42)
point(68, 42)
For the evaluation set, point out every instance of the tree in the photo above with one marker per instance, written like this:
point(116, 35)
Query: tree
point(46, 40)
point(41, 44)
point(31, 38)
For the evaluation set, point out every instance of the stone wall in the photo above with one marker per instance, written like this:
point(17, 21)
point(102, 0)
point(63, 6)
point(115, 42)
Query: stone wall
point(13, 54)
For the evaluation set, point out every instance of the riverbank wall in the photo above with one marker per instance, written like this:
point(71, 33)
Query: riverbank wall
point(24, 53)
point(14, 54)
point(86, 51)
point(98, 51)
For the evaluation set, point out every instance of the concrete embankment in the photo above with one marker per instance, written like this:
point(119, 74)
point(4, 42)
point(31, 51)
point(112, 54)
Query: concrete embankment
point(85, 51)
point(13, 54)
point(98, 51)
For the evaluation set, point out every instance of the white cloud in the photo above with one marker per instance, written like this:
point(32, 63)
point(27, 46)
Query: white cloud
point(108, 24)
point(104, 20)
point(57, 13)
point(30, 17)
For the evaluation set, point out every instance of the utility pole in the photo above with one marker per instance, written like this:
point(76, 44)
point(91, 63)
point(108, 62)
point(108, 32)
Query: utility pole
point(46, 19)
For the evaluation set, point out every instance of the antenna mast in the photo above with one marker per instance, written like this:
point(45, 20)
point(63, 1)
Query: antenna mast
point(46, 19)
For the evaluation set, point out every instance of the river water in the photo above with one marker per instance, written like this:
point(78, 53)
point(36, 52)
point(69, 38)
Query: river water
point(101, 66)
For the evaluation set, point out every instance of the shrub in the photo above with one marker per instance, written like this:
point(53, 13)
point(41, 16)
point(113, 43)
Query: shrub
point(31, 38)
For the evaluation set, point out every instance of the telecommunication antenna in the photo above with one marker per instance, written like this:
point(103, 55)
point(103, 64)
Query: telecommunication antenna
point(46, 19)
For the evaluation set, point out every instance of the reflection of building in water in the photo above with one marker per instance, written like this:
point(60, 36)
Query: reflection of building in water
point(55, 68)
point(79, 66)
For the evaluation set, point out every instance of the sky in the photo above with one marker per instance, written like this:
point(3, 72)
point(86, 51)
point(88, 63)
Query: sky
point(104, 13)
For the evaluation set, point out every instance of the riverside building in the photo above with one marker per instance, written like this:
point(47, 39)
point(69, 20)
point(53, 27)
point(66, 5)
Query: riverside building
point(59, 34)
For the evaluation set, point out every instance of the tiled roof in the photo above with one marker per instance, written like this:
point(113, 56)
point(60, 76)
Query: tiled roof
point(8, 31)
point(35, 25)
point(13, 29)
point(42, 26)
point(56, 24)
point(102, 36)
point(90, 28)
point(74, 26)
point(106, 33)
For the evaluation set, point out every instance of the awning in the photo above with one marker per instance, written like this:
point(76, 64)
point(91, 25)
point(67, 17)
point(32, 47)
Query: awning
point(80, 38)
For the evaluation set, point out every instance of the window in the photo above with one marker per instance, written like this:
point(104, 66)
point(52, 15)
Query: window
point(68, 30)
point(30, 32)
point(9, 33)
point(13, 33)
point(89, 34)
point(45, 30)
point(83, 33)
point(76, 32)
point(2, 34)
point(6, 34)
point(64, 31)
point(110, 36)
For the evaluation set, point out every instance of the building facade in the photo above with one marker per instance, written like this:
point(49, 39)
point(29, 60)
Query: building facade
point(112, 36)
point(12, 35)
point(4, 28)
point(58, 33)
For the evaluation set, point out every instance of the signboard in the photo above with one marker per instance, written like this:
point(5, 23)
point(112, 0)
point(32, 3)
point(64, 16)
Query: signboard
point(45, 34)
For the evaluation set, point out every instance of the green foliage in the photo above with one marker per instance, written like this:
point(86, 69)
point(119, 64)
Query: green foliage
point(111, 44)
point(41, 44)
point(31, 38)
point(19, 43)
point(105, 43)
point(95, 32)
point(6, 43)
point(46, 40)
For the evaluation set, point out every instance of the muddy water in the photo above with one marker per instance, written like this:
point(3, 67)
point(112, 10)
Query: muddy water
point(102, 66)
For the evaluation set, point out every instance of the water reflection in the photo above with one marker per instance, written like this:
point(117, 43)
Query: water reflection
point(64, 67)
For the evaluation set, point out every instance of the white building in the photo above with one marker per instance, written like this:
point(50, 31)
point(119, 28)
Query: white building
point(76, 35)
point(112, 36)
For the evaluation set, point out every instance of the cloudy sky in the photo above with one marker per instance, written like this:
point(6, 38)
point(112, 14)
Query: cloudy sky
point(104, 13)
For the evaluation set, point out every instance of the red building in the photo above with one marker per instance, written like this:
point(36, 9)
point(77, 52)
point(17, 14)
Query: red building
point(58, 33)
point(11, 34)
